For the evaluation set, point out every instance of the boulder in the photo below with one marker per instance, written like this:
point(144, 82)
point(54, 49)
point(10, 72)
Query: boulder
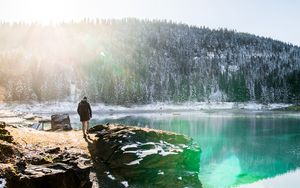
point(4, 134)
point(6, 137)
point(60, 122)
point(51, 168)
point(52, 176)
point(146, 157)
point(7, 151)
point(7, 146)
point(53, 150)
point(36, 166)
point(2, 125)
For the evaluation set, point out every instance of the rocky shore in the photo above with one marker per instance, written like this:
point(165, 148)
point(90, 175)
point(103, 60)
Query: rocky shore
point(25, 165)
point(113, 156)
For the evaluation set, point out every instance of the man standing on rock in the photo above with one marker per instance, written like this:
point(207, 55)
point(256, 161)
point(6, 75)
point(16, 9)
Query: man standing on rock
point(85, 112)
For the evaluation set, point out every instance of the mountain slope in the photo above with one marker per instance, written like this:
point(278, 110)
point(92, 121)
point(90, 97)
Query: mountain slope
point(138, 61)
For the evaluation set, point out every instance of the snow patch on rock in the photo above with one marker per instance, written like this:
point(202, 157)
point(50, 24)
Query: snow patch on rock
point(2, 183)
point(125, 183)
point(109, 175)
point(161, 148)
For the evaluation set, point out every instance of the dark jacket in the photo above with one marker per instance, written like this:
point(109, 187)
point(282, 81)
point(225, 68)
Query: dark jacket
point(84, 110)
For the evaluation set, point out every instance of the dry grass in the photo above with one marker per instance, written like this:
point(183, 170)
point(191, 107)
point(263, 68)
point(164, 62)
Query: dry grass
point(31, 137)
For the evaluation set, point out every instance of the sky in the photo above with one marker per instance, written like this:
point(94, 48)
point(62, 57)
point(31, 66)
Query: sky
point(278, 19)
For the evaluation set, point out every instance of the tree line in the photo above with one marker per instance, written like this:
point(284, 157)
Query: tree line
point(133, 61)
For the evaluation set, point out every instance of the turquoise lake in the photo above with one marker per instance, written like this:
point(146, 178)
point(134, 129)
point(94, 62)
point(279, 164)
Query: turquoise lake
point(238, 147)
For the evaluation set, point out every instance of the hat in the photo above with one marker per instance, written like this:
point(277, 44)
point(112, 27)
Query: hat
point(85, 98)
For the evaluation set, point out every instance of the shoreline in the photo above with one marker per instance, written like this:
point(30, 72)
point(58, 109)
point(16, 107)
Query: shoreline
point(56, 107)
point(74, 141)
point(91, 162)
point(25, 117)
point(78, 133)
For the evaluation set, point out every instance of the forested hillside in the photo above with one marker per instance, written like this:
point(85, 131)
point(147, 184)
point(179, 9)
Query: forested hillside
point(137, 61)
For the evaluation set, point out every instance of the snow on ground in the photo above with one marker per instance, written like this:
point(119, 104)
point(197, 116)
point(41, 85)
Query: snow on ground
point(161, 148)
point(16, 113)
point(129, 146)
point(160, 172)
point(125, 183)
point(67, 107)
point(109, 175)
point(12, 120)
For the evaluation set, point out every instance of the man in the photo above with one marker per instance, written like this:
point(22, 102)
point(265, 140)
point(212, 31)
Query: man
point(85, 112)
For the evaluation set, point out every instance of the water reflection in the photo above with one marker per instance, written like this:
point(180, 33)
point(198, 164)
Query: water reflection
point(237, 148)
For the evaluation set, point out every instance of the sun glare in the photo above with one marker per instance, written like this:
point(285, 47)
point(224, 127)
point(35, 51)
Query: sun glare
point(53, 11)
point(48, 11)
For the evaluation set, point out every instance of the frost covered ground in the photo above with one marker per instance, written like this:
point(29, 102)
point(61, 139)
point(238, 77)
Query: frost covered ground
point(57, 107)
point(15, 113)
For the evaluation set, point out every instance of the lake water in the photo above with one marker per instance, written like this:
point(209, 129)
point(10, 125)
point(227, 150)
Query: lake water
point(238, 147)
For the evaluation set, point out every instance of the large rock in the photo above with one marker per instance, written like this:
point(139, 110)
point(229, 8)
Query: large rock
point(51, 168)
point(7, 148)
point(33, 166)
point(148, 158)
point(7, 151)
point(52, 175)
point(5, 135)
point(60, 122)
point(2, 125)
